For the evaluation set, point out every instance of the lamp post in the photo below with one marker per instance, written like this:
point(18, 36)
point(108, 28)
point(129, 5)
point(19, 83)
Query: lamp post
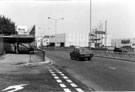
point(55, 20)
point(44, 28)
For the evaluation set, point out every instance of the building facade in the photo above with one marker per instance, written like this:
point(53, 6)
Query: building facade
point(70, 39)
point(123, 42)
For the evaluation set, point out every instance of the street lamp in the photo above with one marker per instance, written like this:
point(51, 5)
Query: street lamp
point(44, 28)
point(55, 20)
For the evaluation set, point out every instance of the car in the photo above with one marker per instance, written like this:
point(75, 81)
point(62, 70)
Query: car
point(119, 49)
point(81, 53)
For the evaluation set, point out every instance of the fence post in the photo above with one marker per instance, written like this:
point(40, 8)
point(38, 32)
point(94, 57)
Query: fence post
point(30, 57)
point(43, 55)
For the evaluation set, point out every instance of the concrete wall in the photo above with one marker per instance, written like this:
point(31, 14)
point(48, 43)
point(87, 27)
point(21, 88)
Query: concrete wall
point(76, 39)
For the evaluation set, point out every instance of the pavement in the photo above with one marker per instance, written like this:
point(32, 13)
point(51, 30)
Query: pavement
point(17, 73)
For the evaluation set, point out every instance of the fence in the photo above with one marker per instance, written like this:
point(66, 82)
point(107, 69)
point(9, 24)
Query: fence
point(37, 56)
point(115, 55)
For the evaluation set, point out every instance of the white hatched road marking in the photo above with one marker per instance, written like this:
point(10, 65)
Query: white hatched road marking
point(69, 81)
point(62, 74)
point(56, 77)
point(67, 90)
point(62, 85)
point(65, 77)
point(59, 81)
point(79, 90)
point(73, 85)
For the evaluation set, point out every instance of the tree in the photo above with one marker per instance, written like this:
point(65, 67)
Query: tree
point(7, 27)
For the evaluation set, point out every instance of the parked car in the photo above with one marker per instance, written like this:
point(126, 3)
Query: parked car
point(119, 49)
point(81, 53)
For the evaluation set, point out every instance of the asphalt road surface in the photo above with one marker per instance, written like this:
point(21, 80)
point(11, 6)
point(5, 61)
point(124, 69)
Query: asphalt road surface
point(101, 74)
point(37, 78)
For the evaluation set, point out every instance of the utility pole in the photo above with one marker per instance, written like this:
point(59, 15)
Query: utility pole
point(105, 32)
point(90, 22)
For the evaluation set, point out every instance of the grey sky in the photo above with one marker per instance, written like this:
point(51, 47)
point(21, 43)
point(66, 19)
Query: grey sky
point(120, 15)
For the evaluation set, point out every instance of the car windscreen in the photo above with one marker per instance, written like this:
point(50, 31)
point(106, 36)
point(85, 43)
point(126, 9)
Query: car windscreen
point(84, 51)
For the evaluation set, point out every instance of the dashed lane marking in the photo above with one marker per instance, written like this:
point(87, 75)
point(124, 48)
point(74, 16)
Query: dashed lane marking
point(112, 68)
point(59, 81)
point(62, 85)
point(62, 74)
point(56, 77)
point(67, 90)
point(69, 81)
point(73, 85)
point(79, 90)
point(65, 77)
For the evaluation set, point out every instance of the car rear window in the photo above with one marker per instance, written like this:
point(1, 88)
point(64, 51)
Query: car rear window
point(84, 51)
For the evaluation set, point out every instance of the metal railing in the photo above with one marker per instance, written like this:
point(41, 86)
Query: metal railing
point(37, 56)
point(115, 55)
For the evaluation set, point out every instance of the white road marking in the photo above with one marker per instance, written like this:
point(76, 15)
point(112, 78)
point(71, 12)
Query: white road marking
point(62, 85)
point(79, 90)
point(14, 88)
point(62, 74)
point(67, 90)
point(65, 77)
point(59, 81)
point(73, 85)
point(112, 68)
point(56, 77)
point(69, 81)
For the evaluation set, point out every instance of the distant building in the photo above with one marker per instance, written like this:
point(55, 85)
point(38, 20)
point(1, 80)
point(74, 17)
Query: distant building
point(99, 39)
point(69, 39)
point(123, 42)
point(45, 40)
point(38, 41)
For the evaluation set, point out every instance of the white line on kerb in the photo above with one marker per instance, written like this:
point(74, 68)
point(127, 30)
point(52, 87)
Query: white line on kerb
point(112, 68)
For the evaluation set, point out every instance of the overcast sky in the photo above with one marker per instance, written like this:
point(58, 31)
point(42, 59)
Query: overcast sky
point(120, 15)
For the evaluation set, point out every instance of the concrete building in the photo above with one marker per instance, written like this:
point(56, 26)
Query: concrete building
point(123, 42)
point(38, 41)
point(45, 41)
point(70, 39)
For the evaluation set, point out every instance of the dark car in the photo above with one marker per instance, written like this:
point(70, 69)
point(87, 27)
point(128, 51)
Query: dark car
point(119, 49)
point(81, 53)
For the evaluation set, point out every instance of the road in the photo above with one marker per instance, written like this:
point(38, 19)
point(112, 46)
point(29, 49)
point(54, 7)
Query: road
point(36, 77)
point(101, 74)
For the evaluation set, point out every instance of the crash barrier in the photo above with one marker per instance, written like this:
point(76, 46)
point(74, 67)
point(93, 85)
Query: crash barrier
point(37, 56)
point(115, 55)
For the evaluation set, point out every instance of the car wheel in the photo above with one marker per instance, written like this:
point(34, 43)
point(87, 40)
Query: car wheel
point(78, 58)
point(72, 58)
point(89, 59)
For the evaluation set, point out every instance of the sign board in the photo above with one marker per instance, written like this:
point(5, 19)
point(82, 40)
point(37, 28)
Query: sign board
point(127, 41)
point(100, 32)
point(21, 29)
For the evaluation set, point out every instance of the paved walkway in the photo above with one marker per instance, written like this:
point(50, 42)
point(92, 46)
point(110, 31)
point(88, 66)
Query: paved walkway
point(12, 59)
